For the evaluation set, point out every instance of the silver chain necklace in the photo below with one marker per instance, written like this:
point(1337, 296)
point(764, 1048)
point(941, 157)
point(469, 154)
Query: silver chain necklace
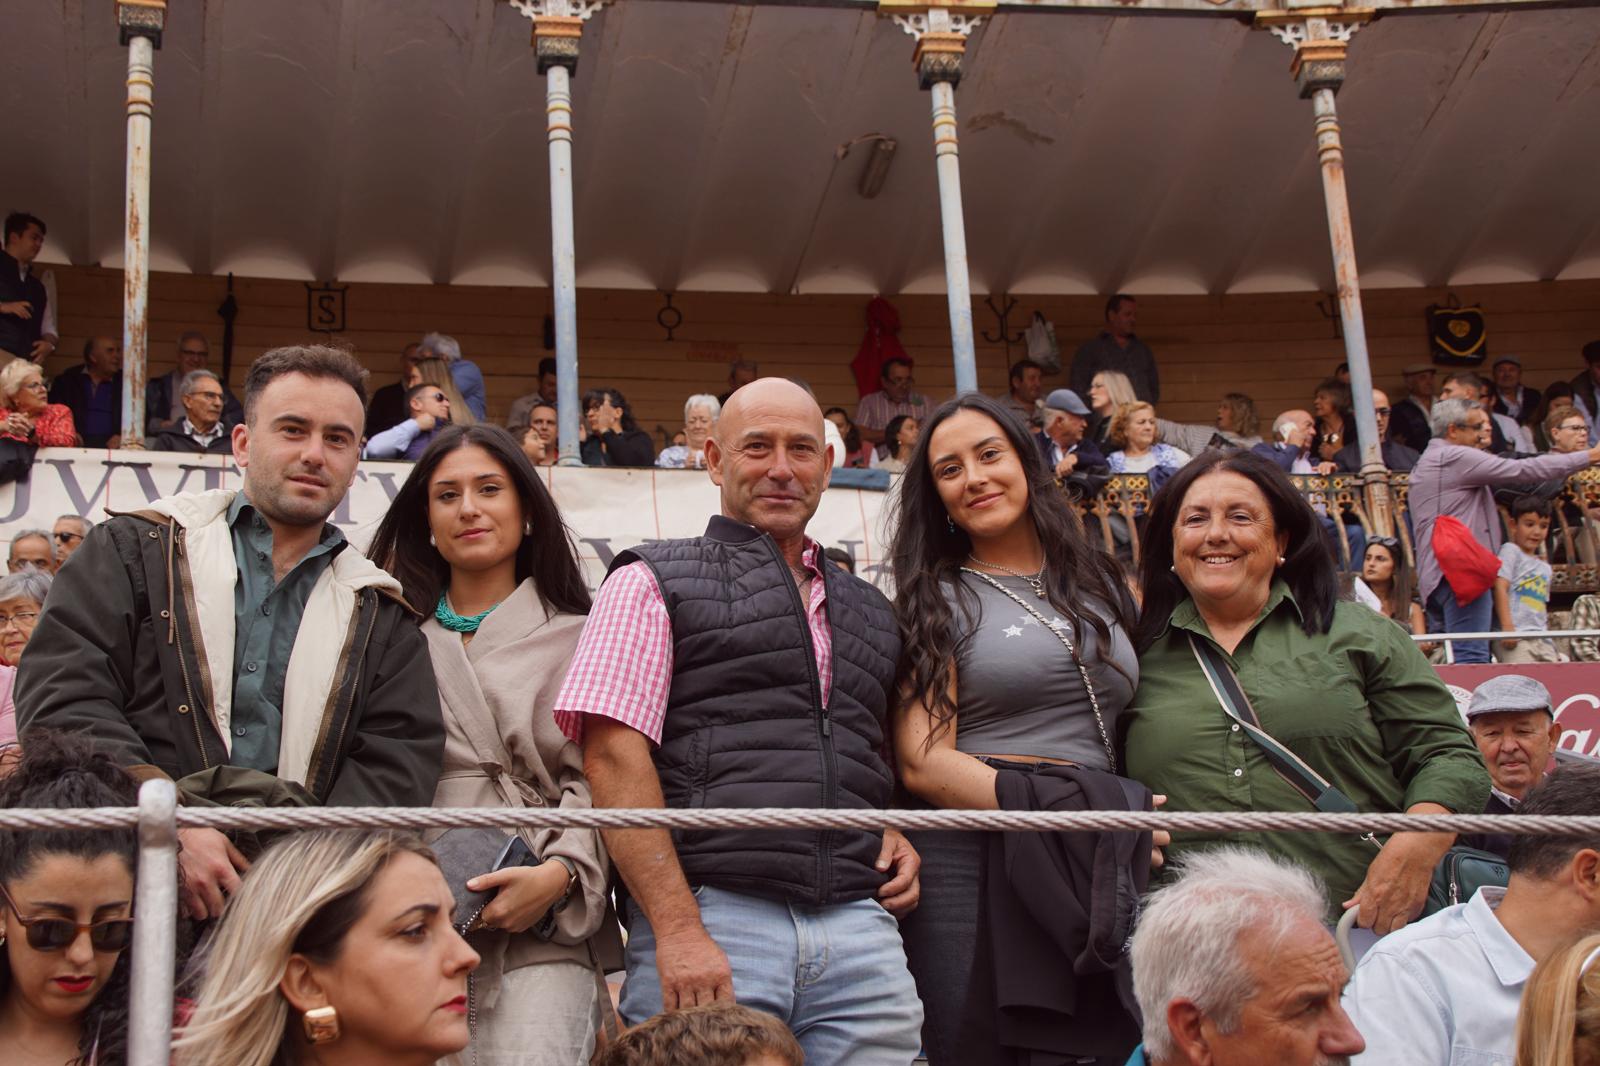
point(1036, 581)
point(1066, 641)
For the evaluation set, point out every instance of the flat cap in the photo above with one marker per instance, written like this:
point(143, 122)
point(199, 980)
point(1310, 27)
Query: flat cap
point(1066, 400)
point(1506, 359)
point(1509, 692)
point(1418, 368)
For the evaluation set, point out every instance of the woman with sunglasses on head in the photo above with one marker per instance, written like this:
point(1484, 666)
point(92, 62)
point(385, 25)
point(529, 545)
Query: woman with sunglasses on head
point(482, 555)
point(66, 904)
point(1385, 572)
point(1016, 666)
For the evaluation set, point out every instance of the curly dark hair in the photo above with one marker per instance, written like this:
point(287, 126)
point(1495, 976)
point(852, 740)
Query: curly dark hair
point(928, 551)
point(63, 771)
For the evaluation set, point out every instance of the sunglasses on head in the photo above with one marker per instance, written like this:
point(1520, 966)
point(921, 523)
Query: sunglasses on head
point(58, 934)
point(1391, 543)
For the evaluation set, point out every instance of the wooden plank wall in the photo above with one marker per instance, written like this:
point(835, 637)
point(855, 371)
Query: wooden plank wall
point(1274, 346)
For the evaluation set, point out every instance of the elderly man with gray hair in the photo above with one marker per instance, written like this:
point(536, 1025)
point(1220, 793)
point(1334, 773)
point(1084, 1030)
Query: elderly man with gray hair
point(201, 430)
point(1232, 966)
point(68, 532)
point(466, 375)
point(1455, 479)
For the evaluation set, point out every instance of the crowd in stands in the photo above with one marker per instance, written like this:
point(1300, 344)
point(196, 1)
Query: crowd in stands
point(233, 642)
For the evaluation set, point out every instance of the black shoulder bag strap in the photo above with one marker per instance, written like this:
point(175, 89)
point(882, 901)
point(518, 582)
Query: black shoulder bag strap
point(1289, 766)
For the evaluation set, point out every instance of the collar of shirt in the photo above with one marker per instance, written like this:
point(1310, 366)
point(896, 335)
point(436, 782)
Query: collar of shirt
point(205, 438)
point(1511, 964)
point(242, 509)
point(1187, 616)
point(1508, 800)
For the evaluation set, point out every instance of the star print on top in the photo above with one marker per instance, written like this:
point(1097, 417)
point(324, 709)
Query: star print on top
point(1017, 690)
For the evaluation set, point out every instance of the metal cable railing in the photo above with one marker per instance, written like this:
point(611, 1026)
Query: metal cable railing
point(159, 817)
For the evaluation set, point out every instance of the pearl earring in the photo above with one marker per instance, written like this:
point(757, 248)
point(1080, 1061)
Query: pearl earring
point(1281, 560)
point(431, 541)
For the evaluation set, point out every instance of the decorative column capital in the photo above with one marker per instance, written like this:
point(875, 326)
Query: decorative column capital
point(141, 18)
point(557, 29)
point(941, 28)
point(1320, 37)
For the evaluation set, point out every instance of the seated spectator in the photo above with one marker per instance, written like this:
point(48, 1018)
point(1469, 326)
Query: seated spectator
point(1331, 404)
point(1565, 430)
point(1066, 419)
point(1236, 427)
point(1513, 722)
point(713, 1034)
point(521, 413)
point(430, 412)
point(1445, 990)
point(388, 406)
point(844, 559)
point(1411, 425)
point(699, 416)
point(1465, 385)
point(1559, 1020)
point(1455, 477)
point(437, 372)
point(236, 629)
point(540, 436)
point(612, 437)
point(1557, 395)
point(22, 597)
point(1511, 397)
point(1341, 374)
point(66, 910)
point(1027, 382)
point(70, 529)
point(24, 413)
point(163, 396)
point(339, 949)
point(1116, 348)
point(31, 549)
point(466, 375)
point(1585, 615)
point(1133, 435)
point(896, 396)
point(900, 436)
point(1584, 385)
point(1232, 966)
point(1518, 440)
point(1109, 391)
point(855, 454)
point(741, 372)
point(1522, 591)
point(202, 429)
point(1396, 456)
point(1384, 570)
point(92, 391)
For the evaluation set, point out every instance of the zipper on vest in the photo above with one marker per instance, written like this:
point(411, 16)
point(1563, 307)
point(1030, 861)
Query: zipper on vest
point(830, 787)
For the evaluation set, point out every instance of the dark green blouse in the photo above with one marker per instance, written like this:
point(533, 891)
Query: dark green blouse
point(1359, 703)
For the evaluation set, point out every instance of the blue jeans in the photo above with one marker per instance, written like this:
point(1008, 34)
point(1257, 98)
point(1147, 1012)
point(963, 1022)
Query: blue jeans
point(1475, 617)
point(835, 975)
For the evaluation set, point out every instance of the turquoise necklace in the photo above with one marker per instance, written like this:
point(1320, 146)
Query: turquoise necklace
point(458, 623)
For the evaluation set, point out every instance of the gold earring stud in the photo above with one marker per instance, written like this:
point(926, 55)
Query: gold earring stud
point(321, 1025)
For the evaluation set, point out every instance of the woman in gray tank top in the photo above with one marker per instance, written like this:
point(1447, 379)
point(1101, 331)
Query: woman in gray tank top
point(1016, 655)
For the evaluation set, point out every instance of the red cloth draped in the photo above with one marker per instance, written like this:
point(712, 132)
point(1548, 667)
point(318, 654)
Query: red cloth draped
point(881, 343)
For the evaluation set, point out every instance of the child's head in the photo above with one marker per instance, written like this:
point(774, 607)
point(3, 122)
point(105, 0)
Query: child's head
point(713, 1034)
point(1530, 523)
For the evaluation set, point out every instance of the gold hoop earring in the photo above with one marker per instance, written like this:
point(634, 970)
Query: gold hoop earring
point(321, 1025)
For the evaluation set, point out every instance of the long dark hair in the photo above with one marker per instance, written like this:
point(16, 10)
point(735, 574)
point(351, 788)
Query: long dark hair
point(595, 397)
point(852, 436)
point(548, 554)
point(1397, 604)
point(927, 554)
point(1308, 560)
point(62, 771)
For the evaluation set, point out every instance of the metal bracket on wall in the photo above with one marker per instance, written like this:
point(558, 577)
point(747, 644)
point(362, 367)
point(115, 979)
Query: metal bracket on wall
point(1003, 317)
point(1328, 304)
point(669, 318)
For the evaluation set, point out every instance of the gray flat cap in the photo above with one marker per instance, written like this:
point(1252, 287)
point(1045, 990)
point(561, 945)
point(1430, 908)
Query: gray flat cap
point(1506, 359)
point(1418, 368)
point(1509, 692)
point(1066, 400)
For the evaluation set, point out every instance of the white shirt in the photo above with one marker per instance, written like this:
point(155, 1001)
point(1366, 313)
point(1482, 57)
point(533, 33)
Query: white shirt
point(1443, 991)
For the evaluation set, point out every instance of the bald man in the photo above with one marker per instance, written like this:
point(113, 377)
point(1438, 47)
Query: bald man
point(739, 669)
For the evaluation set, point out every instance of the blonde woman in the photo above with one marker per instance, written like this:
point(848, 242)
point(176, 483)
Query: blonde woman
point(1559, 1023)
point(1108, 391)
point(437, 372)
point(25, 415)
point(337, 949)
point(1133, 434)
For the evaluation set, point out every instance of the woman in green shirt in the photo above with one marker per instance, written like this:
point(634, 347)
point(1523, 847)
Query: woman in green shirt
point(1236, 558)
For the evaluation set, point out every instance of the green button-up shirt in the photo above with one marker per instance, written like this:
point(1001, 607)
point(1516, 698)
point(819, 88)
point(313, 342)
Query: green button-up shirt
point(1359, 703)
point(266, 618)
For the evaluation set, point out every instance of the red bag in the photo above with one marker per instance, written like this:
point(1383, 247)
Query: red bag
point(1468, 566)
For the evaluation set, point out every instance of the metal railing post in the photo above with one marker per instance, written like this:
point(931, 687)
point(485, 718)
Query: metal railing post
point(155, 927)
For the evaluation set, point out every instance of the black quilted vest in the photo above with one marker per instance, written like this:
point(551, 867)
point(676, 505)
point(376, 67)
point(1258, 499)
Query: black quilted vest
point(17, 335)
point(745, 725)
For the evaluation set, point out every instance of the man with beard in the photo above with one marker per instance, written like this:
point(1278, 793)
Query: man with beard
point(232, 641)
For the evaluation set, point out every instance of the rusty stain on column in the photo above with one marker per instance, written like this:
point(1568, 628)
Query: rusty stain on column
point(139, 23)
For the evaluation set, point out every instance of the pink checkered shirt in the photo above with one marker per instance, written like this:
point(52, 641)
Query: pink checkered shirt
point(623, 666)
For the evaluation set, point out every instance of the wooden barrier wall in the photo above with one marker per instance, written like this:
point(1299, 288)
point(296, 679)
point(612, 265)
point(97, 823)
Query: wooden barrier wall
point(1275, 347)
